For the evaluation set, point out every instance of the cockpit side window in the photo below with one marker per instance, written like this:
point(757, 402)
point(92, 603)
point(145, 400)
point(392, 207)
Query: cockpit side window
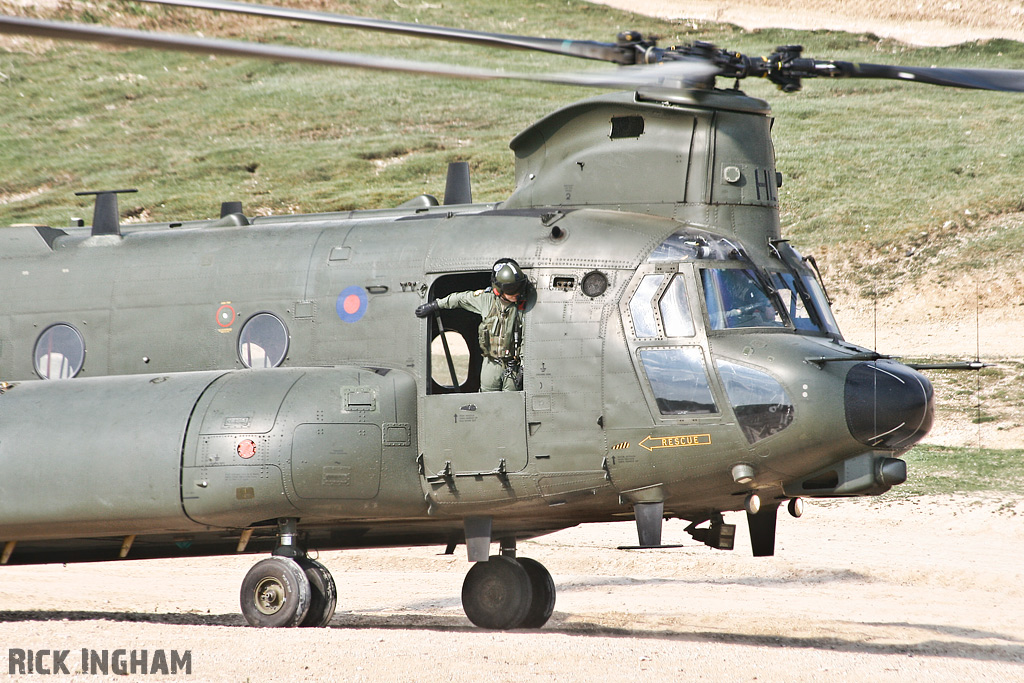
point(735, 298)
point(761, 405)
point(668, 356)
point(679, 380)
point(675, 310)
point(641, 307)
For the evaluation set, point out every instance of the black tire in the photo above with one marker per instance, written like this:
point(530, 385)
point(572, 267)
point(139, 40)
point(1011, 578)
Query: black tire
point(497, 594)
point(324, 594)
point(542, 587)
point(275, 593)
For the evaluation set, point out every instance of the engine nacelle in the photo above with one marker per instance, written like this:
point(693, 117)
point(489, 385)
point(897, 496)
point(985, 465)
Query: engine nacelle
point(147, 454)
point(309, 442)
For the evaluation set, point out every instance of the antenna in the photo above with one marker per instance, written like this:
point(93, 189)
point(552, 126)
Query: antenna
point(977, 356)
point(457, 189)
point(874, 315)
point(228, 208)
point(106, 220)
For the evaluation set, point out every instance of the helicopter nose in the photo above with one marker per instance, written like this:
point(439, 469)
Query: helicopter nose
point(888, 405)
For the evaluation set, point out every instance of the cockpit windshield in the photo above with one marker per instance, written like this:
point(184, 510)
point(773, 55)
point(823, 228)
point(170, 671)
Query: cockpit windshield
point(805, 303)
point(802, 293)
point(736, 297)
point(742, 296)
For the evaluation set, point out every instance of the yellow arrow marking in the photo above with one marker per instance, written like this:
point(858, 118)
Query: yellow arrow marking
point(652, 442)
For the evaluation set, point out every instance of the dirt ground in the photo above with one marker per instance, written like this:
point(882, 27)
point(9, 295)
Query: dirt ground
point(918, 22)
point(925, 589)
point(859, 590)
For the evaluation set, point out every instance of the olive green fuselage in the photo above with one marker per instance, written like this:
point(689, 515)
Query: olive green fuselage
point(182, 427)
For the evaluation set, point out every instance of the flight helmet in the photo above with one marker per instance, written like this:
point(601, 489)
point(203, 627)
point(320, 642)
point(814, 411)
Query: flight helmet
point(508, 278)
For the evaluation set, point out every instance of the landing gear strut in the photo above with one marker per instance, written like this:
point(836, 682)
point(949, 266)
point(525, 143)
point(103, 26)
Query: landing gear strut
point(289, 588)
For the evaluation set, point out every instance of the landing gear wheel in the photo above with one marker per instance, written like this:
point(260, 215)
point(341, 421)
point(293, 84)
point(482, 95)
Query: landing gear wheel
point(497, 594)
point(324, 595)
point(275, 593)
point(543, 589)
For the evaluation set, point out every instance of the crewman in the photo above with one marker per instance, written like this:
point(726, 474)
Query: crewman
point(501, 323)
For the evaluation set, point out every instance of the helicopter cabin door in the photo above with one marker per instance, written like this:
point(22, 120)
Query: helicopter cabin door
point(466, 433)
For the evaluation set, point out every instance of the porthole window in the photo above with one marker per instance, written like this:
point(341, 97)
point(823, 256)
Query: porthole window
point(60, 352)
point(263, 341)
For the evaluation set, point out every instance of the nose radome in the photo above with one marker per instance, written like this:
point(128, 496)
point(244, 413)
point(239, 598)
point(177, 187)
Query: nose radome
point(888, 405)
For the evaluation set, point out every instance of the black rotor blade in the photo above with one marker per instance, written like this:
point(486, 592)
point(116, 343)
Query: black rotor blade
point(677, 74)
point(1007, 80)
point(586, 49)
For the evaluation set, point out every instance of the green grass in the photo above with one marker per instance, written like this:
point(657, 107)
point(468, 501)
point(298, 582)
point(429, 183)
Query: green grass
point(865, 162)
point(939, 470)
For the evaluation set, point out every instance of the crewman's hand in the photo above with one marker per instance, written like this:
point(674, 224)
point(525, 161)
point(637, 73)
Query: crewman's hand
point(423, 310)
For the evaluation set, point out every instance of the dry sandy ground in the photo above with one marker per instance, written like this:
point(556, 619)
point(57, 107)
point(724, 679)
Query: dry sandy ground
point(918, 22)
point(859, 590)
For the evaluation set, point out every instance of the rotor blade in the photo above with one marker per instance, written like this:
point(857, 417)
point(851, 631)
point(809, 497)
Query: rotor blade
point(677, 74)
point(1007, 80)
point(586, 49)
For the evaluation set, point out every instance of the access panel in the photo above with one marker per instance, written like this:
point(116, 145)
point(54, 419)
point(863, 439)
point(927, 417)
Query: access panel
point(336, 460)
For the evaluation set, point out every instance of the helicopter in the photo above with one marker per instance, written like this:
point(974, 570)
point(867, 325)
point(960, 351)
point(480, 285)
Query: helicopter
point(679, 356)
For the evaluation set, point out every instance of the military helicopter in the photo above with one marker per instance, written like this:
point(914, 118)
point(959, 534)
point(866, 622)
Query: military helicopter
point(679, 356)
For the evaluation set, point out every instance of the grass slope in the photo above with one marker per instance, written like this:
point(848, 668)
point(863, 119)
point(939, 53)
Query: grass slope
point(876, 162)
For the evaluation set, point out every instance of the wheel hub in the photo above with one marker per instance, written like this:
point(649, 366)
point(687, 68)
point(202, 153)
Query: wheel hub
point(270, 596)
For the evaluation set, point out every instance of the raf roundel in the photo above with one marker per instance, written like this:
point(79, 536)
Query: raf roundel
point(351, 304)
point(225, 315)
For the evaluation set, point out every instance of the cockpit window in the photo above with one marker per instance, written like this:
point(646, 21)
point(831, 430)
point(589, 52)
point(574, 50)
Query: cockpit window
point(802, 293)
point(692, 244)
point(819, 301)
point(805, 303)
point(675, 311)
point(735, 298)
point(789, 294)
point(641, 307)
point(679, 380)
point(761, 405)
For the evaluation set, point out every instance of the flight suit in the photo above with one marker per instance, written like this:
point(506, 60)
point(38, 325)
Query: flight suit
point(501, 334)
